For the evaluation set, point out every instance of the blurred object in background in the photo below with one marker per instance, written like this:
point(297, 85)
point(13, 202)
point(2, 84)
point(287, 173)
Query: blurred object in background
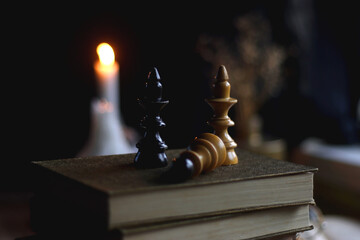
point(341, 228)
point(331, 227)
point(328, 74)
point(261, 143)
point(348, 154)
point(317, 220)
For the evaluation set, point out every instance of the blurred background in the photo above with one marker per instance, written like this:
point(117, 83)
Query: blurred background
point(293, 67)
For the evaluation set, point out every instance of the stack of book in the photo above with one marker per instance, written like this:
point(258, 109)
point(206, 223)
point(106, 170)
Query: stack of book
point(105, 197)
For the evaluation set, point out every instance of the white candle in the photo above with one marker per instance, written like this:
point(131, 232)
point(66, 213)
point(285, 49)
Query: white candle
point(106, 135)
point(107, 74)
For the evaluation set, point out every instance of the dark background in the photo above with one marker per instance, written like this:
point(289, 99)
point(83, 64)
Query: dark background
point(48, 79)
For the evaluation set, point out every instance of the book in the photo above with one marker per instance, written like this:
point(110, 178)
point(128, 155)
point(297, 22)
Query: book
point(249, 225)
point(109, 192)
point(273, 223)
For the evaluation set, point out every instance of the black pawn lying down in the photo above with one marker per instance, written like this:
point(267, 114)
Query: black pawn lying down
point(151, 147)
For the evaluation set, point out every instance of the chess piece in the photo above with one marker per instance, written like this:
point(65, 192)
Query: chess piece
point(204, 154)
point(151, 153)
point(221, 103)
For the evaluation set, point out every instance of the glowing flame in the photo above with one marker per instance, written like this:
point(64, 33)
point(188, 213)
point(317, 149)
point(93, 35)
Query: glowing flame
point(106, 54)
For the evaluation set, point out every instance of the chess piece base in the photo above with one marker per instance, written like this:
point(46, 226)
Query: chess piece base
point(231, 157)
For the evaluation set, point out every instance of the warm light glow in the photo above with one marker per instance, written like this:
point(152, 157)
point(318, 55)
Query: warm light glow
point(106, 54)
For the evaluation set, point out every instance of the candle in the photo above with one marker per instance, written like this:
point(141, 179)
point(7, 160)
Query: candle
point(107, 75)
point(107, 135)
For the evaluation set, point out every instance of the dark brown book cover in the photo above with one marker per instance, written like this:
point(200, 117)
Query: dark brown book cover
point(116, 174)
point(96, 187)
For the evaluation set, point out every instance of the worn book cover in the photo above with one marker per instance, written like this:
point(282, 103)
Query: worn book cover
point(110, 192)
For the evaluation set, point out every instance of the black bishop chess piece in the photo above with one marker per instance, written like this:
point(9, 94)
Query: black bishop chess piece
point(151, 153)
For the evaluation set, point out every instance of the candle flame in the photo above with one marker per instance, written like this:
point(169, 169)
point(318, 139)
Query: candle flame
point(106, 54)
